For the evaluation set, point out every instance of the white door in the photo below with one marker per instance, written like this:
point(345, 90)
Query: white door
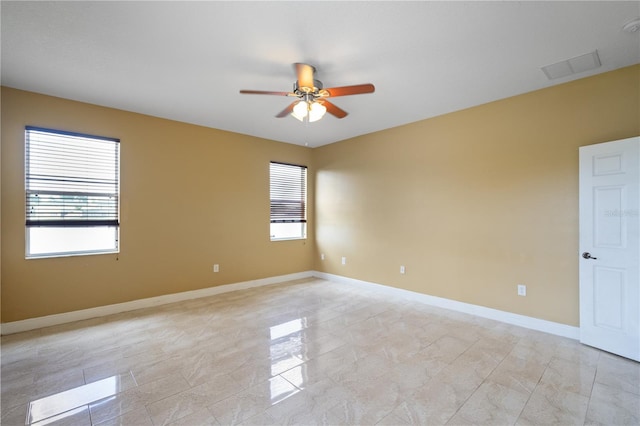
point(610, 247)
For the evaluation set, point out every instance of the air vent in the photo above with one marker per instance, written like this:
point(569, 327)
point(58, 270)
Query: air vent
point(582, 63)
point(632, 26)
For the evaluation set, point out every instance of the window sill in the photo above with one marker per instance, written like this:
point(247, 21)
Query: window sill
point(54, 255)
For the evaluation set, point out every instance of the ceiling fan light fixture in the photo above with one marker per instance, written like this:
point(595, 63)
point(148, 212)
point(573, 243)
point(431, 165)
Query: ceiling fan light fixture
point(311, 102)
point(316, 111)
point(300, 110)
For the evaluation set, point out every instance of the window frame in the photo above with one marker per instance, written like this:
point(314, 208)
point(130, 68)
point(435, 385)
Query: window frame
point(62, 185)
point(301, 219)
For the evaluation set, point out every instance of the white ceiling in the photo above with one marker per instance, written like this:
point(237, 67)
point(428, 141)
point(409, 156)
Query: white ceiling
point(187, 61)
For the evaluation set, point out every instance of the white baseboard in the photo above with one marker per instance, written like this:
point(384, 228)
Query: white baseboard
point(49, 320)
point(481, 311)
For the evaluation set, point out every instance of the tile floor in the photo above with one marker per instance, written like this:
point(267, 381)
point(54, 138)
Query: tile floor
point(308, 352)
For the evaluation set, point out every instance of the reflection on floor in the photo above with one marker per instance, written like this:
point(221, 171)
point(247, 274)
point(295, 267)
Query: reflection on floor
point(308, 352)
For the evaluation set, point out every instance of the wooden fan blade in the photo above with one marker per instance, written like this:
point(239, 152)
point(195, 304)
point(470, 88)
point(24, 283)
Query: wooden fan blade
point(351, 90)
point(287, 110)
point(305, 74)
point(334, 110)
point(265, 92)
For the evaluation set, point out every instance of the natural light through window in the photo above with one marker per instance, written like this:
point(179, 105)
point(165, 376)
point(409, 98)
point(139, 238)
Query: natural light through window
point(287, 345)
point(63, 404)
point(288, 195)
point(72, 193)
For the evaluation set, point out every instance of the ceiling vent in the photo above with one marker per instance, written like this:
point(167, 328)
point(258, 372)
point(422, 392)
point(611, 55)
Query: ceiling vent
point(582, 63)
point(632, 26)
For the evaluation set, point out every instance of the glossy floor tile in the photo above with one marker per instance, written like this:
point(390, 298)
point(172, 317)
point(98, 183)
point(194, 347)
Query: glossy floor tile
point(308, 352)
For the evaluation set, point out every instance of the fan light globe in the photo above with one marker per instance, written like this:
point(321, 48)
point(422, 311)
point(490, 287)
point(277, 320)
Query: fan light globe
point(316, 111)
point(300, 111)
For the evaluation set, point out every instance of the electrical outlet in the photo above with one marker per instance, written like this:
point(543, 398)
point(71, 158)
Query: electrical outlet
point(402, 270)
point(216, 268)
point(321, 256)
point(522, 290)
point(344, 260)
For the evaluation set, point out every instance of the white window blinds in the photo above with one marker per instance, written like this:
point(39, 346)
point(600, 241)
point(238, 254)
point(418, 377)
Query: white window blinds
point(288, 186)
point(72, 179)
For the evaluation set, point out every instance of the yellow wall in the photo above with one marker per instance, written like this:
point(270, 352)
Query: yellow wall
point(191, 197)
point(474, 202)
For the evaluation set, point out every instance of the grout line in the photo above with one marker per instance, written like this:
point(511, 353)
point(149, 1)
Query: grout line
point(595, 374)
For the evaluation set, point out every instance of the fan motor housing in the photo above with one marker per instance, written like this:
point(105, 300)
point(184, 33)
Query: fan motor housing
point(301, 90)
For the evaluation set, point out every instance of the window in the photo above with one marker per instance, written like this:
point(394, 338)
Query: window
point(72, 193)
point(288, 201)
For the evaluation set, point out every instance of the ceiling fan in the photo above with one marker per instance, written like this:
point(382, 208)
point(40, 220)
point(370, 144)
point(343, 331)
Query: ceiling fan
point(312, 101)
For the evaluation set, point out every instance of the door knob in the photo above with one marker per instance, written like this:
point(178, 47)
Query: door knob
point(587, 255)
